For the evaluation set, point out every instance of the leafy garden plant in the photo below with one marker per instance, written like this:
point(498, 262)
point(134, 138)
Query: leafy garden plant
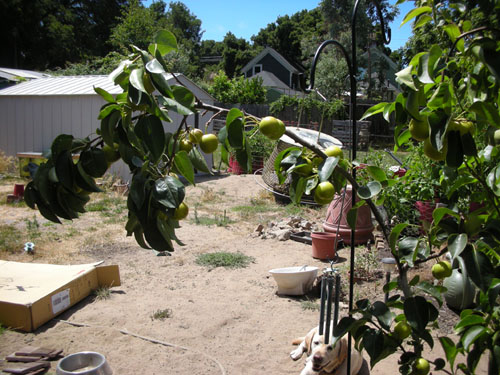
point(450, 102)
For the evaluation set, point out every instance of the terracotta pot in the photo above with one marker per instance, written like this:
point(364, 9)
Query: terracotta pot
point(337, 211)
point(324, 245)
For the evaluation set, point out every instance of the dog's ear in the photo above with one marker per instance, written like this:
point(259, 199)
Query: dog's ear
point(308, 340)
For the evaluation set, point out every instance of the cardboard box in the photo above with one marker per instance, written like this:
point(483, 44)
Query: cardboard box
point(31, 294)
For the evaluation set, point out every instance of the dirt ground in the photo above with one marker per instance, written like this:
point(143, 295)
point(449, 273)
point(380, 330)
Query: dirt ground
point(221, 321)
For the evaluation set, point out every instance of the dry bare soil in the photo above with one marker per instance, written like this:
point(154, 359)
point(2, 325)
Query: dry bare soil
point(172, 315)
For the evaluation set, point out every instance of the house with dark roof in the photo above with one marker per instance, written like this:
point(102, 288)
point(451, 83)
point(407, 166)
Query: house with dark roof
point(269, 60)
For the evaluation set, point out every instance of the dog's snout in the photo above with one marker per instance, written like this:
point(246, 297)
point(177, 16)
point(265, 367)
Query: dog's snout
point(317, 358)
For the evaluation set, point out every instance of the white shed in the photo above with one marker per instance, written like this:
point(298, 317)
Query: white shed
point(33, 113)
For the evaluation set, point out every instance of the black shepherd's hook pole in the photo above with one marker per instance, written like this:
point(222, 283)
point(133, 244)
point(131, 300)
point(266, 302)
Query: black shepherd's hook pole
point(386, 40)
point(352, 66)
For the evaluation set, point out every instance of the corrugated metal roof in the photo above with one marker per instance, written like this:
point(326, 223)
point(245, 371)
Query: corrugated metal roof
point(14, 74)
point(65, 85)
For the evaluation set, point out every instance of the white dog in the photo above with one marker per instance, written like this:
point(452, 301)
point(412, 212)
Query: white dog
point(325, 358)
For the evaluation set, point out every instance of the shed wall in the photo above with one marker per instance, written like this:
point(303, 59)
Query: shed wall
point(30, 123)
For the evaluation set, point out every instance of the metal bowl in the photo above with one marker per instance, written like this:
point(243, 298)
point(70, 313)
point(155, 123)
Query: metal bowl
point(84, 363)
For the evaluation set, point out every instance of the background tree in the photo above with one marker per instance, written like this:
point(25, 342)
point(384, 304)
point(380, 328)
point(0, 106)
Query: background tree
point(46, 34)
point(236, 53)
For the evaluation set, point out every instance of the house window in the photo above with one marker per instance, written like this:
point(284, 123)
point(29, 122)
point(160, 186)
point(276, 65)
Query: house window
point(257, 68)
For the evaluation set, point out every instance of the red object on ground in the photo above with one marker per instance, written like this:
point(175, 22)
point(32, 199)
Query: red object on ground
point(234, 167)
point(400, 172)
point(425, 208)
point(19, 190)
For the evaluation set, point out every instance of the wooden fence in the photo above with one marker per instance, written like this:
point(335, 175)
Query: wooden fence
point(374, 131)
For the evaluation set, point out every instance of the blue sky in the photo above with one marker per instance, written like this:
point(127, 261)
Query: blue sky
point(246, 18)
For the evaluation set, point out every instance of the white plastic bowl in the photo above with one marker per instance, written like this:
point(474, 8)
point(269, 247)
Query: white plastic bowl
point(294, 281)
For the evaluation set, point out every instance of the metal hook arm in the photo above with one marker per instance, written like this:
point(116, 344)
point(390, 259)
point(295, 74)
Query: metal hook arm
point(316, 58)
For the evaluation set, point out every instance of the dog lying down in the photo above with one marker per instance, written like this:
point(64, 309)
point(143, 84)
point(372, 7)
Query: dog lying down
point(325, 358)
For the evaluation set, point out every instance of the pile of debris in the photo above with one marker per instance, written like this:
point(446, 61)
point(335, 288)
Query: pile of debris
point(283, 229)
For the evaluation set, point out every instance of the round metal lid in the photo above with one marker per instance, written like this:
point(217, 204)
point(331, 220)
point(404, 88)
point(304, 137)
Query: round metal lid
point(325, 140)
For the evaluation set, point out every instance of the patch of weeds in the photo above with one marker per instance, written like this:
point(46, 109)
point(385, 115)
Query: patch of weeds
point(14, 203)
point(33, 228)
point(2, 329)
point(161, 314)
point(102, 293)
point(72, 232)
point(254, 208)
point(310, 305)
point(220, 221)
point(49, 224)
point(114, 219)
point(106, 204)
point(294, 210)
point(224, 259)
point(10, 238)
point(209, 195)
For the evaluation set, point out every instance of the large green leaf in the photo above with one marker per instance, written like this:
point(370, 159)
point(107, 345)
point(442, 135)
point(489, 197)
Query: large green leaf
point(479, 268)
point(433, 290)
point(297, 188)
point(236, 133)
point(184, 166)
point(471, 335)
point(233, 114)
point(450, 349)
point(326, 168)
point(416, 310)
point(94, 162)
point(184, 97)
point(407, 249)
point(454, 32)
point(486, 111)
point(468, 321)
point(108, 127)
point(455, 153)
point(162, 85)
point(377, 108)
point(165, 42)
point(370, 190)
point(377, 173)
point(456, 244)
point(84, 181)
point(169, 192)
point(62, 143)
point(65, 169)
point(383, 314)
point(198, 161)
point(394, 236)
point(405, 77)
point(373, 343)
point(104, 94)
point(150, 130)
point(352, 217)
point(441, 212)
point(493, 180)
point(415, 13)
point(137, 191)
point(136, 79)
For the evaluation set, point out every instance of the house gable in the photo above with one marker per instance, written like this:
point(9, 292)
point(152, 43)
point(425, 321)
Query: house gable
point(271, 61)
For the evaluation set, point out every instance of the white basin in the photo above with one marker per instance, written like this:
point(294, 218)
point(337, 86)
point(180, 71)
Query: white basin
point(294, 281)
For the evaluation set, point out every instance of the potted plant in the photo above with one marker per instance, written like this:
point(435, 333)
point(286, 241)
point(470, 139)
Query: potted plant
point(261, 148)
